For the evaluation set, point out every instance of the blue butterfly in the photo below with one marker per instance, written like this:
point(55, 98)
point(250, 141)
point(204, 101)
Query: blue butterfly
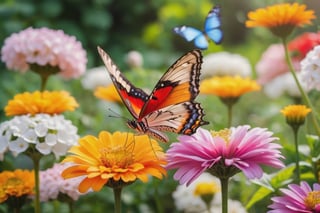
point(212, 30)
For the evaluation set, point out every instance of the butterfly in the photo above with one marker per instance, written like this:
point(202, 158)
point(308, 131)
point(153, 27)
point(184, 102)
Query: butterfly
point(170, 106)
point(212, 30)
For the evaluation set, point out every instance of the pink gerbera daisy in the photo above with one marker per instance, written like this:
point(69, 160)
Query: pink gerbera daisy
point(224, 153)
point(297, 199)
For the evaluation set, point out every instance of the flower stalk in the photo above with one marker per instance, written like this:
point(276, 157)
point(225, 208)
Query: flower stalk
point(117, 199)
point(36, 164)
point(224, 182)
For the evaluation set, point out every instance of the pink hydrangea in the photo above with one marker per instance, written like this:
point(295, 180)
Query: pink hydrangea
point(273, 64)
point(52, 184)
point(44, 46)
point(224, 153)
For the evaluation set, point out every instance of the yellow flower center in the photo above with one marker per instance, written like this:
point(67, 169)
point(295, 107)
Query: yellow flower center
point(118, 156)
point(313, 199)
point(224, 134)
point(206, 188)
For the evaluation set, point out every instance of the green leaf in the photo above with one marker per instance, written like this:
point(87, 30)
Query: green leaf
point(261, 193)
point(270, 184)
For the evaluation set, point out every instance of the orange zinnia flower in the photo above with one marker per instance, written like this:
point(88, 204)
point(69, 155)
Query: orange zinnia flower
point(37, 102)
point(281, 19)
point(108, 93)
point(16, 184)
point(114, 159)
point(228, 86)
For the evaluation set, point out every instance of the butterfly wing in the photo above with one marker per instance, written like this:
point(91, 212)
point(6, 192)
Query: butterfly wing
point(212, 26)
point(190, 34)
point(182, 118)
point(170, 106)
point(133, 97)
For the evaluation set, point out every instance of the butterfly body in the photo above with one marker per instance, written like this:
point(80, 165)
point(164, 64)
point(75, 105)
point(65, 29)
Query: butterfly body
point(170, 106)
point(212, 30)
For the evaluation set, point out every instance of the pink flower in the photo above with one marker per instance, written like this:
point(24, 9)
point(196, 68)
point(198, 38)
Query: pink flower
point(273, 64)
point(44, 46)
point(297, 199)
point(223, 153)
point(52, 184)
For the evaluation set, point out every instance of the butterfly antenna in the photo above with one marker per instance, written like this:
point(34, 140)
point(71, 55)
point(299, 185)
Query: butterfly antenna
point(116, 115)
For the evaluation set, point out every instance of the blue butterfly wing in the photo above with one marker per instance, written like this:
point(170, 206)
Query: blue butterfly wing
point(190, 34)
point(201, 42)
point(212, 25)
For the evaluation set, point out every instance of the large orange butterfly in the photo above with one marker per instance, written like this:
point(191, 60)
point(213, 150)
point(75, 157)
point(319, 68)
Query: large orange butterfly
point(170, 106)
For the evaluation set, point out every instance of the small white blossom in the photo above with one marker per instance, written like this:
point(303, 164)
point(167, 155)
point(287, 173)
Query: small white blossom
point(48, 134)
point(310, 69)
point(95, 77)
point(225, 63)
point(134, 59)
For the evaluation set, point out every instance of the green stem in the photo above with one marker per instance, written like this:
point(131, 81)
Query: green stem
point(303, 94)
point(36, 165)
point(71, 207)
point(295, 132)
point(159, 205)
point(117, 199)
point(230, 106)
point(224, 194)
point(44, 80)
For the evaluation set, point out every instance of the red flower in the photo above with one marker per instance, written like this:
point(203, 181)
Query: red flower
point(301, 45)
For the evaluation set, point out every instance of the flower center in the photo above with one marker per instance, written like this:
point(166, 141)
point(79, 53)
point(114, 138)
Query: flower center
point(11, 182)
point(313, 200)
point(224, 134)
point(118, 156)
point(206, 188)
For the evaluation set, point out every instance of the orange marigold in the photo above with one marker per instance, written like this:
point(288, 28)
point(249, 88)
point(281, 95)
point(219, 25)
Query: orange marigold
point(16, 184)
point(114, 159)
point(38, 102)
point(281, 19)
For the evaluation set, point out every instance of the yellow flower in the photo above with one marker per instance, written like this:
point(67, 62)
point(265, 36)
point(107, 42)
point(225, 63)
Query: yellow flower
point(37, 102)
point(108, 93)
point(114, 159)
point(228, 86)
point(281, 19)
point(16, 184)
point(295, 114)
point(206, 188)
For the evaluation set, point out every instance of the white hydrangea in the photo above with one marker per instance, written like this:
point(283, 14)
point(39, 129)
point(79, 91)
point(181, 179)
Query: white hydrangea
point(225, 63)
point(95, 77)
point(48, 134)
point(310, 69)
point(285, 84)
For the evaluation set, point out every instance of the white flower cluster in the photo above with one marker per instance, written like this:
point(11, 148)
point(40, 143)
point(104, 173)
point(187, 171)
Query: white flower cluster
point(284, 84)
point(225, 63)
point(187, 201)
point(48, 134)
point(310, 69)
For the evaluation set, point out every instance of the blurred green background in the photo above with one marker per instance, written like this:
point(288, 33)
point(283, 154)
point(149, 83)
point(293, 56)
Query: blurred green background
point(145, 26)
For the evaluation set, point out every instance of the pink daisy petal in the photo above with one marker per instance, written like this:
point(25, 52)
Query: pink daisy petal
point(246, 149)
